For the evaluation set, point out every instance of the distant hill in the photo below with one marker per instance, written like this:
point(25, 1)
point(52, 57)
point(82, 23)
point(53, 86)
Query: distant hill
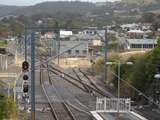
point(80, 10)
point(8, 10)
point(142, 2)
point(58, 8)
point(154, 5)
point(144, 5)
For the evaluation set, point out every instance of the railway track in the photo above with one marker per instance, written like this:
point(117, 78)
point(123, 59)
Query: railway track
point(62, 110)
point(46, 95)
point(79, 110)
point(80, 80)
point(59, 109)
point(94, 84)
point(69, 78)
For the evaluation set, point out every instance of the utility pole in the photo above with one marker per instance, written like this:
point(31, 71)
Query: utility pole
point(32, 75)
point(119, 73)
point(9, 87)
point(59, 45)
point(25, 42)
point(106, 45)
point(119, 82)
point(58, 38)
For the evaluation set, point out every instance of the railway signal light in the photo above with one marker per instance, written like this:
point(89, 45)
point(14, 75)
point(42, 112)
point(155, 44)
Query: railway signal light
point(25, 66)
point(25, 77)
point(25, 88)
point(25, 69)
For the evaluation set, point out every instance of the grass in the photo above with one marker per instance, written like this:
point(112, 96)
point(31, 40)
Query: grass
point(3, 43)
point(8, 108)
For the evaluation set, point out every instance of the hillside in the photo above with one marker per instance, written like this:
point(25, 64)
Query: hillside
point(7, 10)
point(83, 12)
point(152, 6)
point(144, 5)
point(58, 8)
point(82, 8)
point(143, 2)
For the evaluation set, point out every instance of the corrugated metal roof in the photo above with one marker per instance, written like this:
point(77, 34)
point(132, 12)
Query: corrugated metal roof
point(142, 41)
point(84, 37)
point(135, 31)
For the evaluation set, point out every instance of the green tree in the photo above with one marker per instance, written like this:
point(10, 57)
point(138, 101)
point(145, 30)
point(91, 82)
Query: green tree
point(141, 74)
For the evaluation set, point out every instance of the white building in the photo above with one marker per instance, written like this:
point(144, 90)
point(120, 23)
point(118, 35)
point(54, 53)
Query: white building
point(64, 33)
point(141, 44)
point(129, 26)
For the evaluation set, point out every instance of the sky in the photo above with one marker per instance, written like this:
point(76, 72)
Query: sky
point(32, 2)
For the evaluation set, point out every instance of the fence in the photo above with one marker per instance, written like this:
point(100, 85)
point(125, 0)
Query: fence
point(113, 105)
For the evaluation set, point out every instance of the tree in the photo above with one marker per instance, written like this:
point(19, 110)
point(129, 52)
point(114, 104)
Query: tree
point(155, 25)
point(141, 74)
point(148, 17)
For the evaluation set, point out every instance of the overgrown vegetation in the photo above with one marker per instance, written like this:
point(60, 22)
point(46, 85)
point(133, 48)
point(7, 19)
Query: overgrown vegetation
point(11, 26)
point(7, 108)
point(140, 75)
point(3, 43)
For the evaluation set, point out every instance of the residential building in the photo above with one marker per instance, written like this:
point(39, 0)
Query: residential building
point(127, 27)
point(135, 34)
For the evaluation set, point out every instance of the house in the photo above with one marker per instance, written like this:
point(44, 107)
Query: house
point(127, 27)
point(50, 35)
point(135, 34)
point(138, 39)
point(94, 32)
point(146, 26)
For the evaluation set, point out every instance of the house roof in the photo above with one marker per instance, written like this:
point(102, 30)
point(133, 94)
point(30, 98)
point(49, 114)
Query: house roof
point(135, 31)
point(129, 25)
point(84, 37)
point(142, 41)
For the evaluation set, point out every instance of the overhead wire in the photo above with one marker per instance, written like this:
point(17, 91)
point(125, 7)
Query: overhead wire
point(142, 94)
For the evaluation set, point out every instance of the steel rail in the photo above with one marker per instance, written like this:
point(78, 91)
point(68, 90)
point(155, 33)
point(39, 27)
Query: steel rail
point(79, 78)
point(53, 69)
point(47, 97)
point(56, 73)
point(63, 104)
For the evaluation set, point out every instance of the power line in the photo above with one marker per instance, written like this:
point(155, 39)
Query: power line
point(145, 96)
